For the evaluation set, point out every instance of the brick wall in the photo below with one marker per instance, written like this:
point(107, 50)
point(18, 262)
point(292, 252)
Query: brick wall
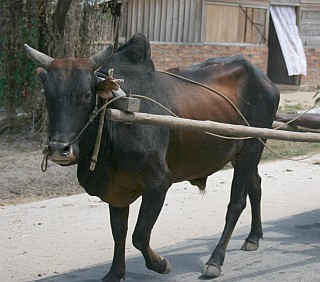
point(170, 55)
point(312, 81)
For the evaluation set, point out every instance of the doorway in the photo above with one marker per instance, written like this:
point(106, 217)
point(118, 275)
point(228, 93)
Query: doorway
point(277, 69)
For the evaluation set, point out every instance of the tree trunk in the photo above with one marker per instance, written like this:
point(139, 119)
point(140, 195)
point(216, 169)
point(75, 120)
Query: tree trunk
point(12, 21)
point(59, 16)
point(43, 27)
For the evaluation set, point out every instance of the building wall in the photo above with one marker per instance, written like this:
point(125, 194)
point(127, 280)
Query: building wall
point(311, 82)
point(170, 55)
point(310, 24)
point(180, 36)
point(310, 36)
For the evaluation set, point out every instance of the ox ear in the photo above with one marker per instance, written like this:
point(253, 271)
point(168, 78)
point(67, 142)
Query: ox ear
point(42, 74)
point(105, 87)
point(137, 49)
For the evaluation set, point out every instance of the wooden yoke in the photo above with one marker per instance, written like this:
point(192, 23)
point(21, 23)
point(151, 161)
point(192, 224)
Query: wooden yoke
point(212, 127)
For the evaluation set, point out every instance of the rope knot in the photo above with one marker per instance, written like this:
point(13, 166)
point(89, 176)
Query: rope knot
point(93, 115)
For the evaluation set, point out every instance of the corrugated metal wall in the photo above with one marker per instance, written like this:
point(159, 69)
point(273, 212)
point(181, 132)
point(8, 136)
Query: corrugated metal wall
point(165, 20)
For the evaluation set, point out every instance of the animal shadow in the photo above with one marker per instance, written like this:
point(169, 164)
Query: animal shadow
point(291, 248)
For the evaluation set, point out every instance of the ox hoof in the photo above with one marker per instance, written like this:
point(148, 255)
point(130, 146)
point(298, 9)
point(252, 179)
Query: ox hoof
point(168, 266)
point(111, 278)
point(250, 246)
point(210, 271)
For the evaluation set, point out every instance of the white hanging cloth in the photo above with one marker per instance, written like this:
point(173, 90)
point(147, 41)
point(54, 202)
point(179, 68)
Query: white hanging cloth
point(284, 20)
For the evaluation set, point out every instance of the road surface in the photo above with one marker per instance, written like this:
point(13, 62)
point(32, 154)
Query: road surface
point(69, 238)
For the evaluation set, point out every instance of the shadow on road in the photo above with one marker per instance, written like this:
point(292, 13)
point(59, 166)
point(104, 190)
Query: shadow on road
point(290, 251)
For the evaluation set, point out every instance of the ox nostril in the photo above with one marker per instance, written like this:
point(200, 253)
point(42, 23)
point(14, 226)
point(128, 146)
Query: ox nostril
point(66, 150)
point(61, 148)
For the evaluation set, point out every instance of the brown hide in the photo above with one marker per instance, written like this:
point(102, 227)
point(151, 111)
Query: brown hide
point(194, 155)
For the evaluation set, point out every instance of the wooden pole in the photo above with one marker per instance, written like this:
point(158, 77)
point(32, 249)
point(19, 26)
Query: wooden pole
point(288, 127)
point(210, 126)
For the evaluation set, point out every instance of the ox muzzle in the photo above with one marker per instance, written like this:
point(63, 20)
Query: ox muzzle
point(61, 153)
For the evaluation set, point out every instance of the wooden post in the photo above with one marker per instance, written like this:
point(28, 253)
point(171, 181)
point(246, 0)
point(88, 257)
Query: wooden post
point(140, 19)
point(169, 21)
point(211, 126)
point(288, 127)
point(163, 21)
point(157, 21)
point(146, 19)
point(175, 21)
point(181, 24)
point(151, 22)
point(186, 21)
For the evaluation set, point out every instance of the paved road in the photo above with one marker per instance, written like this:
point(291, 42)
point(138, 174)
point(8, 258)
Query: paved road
point(69, 239)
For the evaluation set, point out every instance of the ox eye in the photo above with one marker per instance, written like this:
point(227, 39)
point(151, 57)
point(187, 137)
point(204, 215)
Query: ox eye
point(87, 96)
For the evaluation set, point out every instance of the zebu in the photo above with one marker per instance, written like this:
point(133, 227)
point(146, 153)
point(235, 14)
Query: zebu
point(143, 161)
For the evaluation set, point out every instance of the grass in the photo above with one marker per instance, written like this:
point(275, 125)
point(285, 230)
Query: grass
point(291, 108)
point(289, 149)
point(286, 148)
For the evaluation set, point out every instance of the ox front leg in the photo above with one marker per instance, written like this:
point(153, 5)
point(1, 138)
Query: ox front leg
point(152, 202)
point(119, 226)
point(245, 180)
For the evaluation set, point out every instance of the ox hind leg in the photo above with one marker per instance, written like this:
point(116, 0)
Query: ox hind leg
point(254, 191)
point(245, 180)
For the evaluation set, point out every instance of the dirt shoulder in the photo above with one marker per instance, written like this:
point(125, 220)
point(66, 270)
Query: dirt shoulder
point(293, 98)
point(21, 179)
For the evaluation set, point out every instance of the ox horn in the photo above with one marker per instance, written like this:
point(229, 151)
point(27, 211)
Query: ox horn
point(40, 59)
point(99, 59)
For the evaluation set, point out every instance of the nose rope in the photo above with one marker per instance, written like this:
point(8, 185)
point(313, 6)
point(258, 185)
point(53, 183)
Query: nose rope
point(44, 163)
point(93, 115)
point(96, 150)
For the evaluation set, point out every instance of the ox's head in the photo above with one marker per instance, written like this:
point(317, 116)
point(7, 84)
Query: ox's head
point(70, 87)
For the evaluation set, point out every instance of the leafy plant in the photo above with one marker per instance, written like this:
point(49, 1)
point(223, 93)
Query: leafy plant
point(61, 28)
point(291, 108)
